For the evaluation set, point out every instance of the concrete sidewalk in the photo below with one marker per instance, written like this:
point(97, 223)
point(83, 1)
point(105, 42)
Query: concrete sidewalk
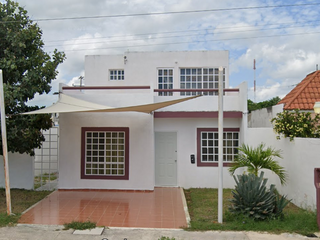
point(52, 232)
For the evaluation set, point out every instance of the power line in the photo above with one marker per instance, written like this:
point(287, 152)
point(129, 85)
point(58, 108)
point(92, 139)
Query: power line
point(176, 12)
point(185, 42)
point(250, 89)
point(189, 30)
point(174, 36)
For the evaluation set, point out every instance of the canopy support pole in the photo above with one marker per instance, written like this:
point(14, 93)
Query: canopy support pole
point(4, 146)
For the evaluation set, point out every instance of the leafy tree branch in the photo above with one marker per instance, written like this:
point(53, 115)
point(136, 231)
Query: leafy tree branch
point(27, 70)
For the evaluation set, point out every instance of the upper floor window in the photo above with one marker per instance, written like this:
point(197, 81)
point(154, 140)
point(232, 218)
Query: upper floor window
point(165, 80)
point(116, 74)
point(200, 78)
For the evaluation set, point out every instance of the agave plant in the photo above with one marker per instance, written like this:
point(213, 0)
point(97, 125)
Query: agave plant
point(280, 203)
point(252, 198)
point(259, 158)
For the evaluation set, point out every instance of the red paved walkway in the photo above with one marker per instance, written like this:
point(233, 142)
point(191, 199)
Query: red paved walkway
point(161, 208)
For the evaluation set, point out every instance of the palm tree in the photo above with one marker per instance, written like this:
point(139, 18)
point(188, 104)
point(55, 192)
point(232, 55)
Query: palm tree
point(259, 158)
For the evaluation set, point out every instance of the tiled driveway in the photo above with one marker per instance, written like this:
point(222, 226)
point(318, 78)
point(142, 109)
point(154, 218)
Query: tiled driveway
point(161, 208)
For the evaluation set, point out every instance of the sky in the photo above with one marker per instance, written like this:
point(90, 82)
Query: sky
point(284, 40)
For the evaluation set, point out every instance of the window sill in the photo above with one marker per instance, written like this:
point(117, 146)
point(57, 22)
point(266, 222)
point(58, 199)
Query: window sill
point(105, 177)
point(202, 164)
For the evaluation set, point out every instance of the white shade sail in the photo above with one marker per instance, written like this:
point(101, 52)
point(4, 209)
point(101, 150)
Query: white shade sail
point(68, 104)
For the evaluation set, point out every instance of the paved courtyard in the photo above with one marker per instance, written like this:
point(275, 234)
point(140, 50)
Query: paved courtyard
point(161, 208)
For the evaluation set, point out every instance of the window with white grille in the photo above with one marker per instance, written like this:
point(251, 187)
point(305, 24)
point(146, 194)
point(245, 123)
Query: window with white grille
point(200, 78)
point(208, 145)
point(165, 80)
point(116, 74)
point(105, 153)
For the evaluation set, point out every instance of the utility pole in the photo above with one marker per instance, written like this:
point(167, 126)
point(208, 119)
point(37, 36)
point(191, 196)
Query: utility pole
point(220, 147)
point(254, 80)
point(4, 146)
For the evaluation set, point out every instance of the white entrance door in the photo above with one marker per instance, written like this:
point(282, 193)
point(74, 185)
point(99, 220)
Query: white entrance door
point(166, 158)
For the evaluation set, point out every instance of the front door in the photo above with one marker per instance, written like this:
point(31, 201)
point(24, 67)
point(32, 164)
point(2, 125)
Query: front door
point(166, 158)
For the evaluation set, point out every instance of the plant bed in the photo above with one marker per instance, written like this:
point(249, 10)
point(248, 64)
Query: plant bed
point(203, 209)
point(76, 225)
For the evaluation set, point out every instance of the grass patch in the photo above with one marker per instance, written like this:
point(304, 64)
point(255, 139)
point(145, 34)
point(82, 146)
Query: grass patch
point(79, 225)
point(20, 201)
point(203, 209)
point(6, 220)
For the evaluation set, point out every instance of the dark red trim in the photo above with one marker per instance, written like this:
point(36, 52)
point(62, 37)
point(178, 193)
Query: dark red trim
point(100, 190)
point(147, 87)
point(213, 164)
point(210, 164)
point(126, 159)
point(197, 90)
point(196, 114)
point(217, 129)
point(105, 87)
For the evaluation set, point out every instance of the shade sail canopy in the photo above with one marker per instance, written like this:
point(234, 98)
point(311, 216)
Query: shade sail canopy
point(68, 104)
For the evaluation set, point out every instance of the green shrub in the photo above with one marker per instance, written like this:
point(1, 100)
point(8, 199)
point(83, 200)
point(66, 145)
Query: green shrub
point(252, 198)
point(296, 124)
point(280, 203)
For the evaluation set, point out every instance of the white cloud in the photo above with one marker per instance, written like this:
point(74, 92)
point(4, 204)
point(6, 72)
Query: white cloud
point(43, 100)
point(76, 81)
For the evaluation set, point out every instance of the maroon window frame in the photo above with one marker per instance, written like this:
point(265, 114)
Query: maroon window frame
point(210, 164)
point(126, 150)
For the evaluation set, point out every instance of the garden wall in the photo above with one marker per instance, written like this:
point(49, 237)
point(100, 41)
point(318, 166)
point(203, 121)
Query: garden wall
point(20, 171)
point(300, 157)
point(262, 117)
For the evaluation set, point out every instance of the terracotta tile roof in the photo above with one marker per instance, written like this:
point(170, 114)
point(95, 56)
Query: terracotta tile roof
point(305, 94)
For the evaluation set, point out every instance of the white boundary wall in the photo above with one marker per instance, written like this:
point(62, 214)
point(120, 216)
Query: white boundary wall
point(300, 157)
point(20, 171)
point(262, 117)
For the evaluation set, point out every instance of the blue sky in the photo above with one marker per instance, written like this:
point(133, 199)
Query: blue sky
point(284, 40)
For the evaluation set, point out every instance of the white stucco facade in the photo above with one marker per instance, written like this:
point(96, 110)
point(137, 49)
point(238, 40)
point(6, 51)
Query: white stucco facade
point(141, 67)
point(139, 87)
point(141, 150)
point(21, 173)
point(300, 157)
point(190, 175)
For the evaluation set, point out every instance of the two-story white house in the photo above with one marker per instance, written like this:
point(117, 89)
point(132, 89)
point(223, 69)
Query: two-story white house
point(173, 146)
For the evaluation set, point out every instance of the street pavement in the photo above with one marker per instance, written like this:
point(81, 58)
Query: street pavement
point(56, 232)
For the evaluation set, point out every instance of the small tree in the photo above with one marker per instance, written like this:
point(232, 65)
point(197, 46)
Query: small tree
point(259, 158)
point(27, 70)
point(296, 124)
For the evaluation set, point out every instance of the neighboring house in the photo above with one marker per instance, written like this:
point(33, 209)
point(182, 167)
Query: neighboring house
point(173, 146)
point(304, 95)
